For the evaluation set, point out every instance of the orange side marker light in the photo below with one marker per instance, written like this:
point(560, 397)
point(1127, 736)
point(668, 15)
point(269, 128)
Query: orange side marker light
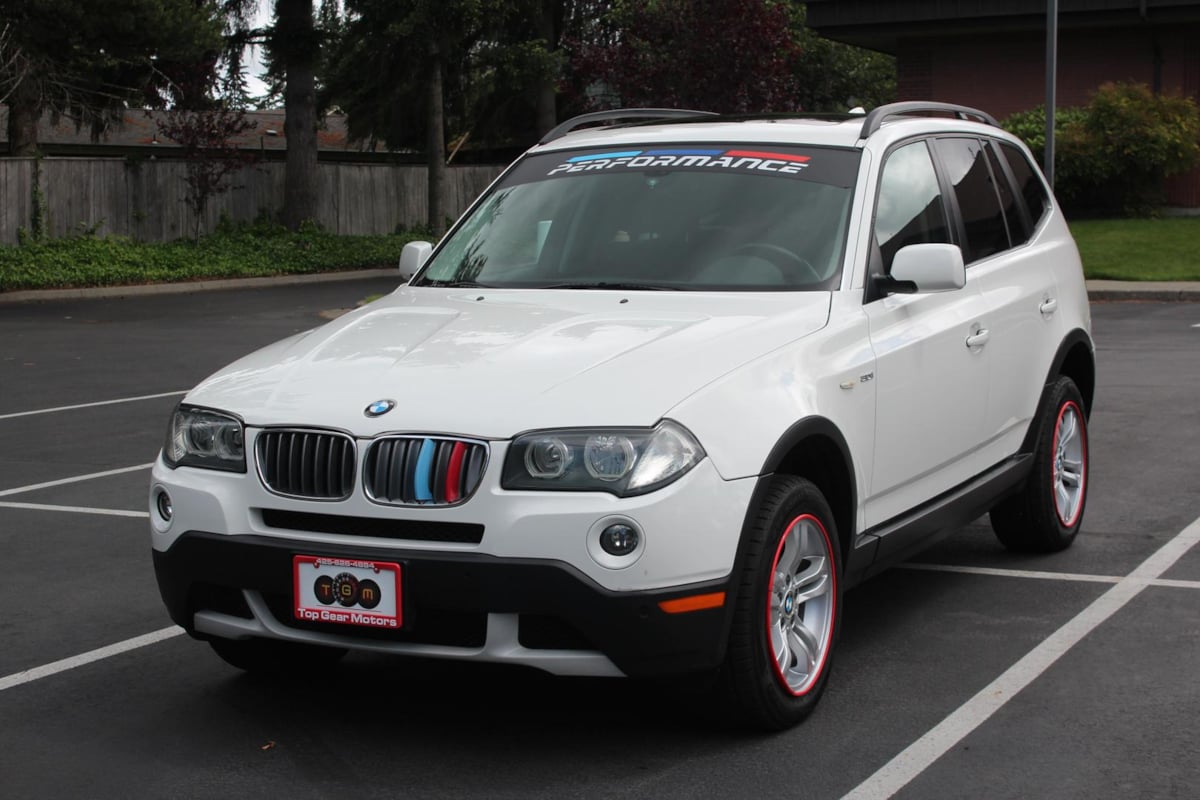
point(697, 602)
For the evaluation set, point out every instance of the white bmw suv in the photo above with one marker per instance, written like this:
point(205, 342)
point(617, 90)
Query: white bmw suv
point(665, 392)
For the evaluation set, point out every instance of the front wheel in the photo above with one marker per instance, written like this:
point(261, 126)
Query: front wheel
point(788, 608)
point(1046, 513)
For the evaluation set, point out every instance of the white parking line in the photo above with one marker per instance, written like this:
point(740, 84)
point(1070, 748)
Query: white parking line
point(1015, 573)
point(917, 757)
point(45, 671)
point(62, 482)
point(111, 512)
point(91, 405)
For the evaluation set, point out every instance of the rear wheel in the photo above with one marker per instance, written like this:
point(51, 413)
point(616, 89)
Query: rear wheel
point(275, 657)
point(1046, 514)
point(788, 609)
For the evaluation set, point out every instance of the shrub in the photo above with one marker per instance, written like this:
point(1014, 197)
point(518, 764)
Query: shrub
point(1114, 153)
point(238, 251)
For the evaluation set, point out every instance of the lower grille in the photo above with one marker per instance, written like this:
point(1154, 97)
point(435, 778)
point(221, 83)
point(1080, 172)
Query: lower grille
point(316, 465)
point(415, 530)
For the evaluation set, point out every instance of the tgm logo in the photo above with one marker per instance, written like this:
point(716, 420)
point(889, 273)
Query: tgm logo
point(379, 408)
point(347, 590)
point(747, 160)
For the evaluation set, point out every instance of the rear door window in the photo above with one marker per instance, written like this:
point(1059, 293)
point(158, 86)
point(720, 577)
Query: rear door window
point(979, 207)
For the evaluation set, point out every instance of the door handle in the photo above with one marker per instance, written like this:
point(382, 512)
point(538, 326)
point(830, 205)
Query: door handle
point(1048, 306)
point(979, 338)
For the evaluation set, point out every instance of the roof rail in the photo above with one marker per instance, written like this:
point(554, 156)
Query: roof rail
point(875, 119)
point(620, 113)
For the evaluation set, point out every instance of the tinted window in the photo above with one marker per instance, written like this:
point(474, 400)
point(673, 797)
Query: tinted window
point(688, 217)
point(983, 220)
point(910, 209)
point(1018, 231)
point(1030, 185)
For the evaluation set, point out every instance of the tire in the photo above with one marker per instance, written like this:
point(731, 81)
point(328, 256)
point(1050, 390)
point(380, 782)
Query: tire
point(275, 657)
point(1045, 515)
point(790, 584)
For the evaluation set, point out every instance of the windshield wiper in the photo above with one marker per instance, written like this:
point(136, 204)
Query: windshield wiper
point(456, 284)
point(650, 287)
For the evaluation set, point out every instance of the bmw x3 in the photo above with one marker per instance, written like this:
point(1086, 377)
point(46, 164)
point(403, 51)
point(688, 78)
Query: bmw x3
point(671, 386)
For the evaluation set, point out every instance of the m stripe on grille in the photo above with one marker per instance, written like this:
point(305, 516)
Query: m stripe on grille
point(405, 470)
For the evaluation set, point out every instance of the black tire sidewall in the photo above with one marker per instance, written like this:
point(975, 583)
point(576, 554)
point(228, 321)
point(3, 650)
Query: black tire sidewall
point(1063, 394)
point(755, 687)
point(1029, 521)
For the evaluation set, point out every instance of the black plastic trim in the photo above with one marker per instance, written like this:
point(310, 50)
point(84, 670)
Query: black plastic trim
point(383, 528)
point(800, 430)
point(628, 627)
point(903, 536)
point(1070, 341)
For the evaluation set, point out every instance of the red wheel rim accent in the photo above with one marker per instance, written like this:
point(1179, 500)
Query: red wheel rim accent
point(1056, 467)
point(830, 595)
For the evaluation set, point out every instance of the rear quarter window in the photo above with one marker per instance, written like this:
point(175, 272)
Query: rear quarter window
point(1028, 183)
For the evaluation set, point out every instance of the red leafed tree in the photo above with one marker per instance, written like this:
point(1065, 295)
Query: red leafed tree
point(208, 139)
point(731, 56)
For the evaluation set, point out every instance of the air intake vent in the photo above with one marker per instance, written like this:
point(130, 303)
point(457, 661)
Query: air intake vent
point(316, 465)
point(421, 471)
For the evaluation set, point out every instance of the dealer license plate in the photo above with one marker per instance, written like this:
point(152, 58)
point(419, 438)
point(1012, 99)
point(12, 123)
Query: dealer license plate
point(347, 591)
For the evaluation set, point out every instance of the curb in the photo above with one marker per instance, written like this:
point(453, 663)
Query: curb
point(38, 295)
point(1149, 291)
point(1098, 290)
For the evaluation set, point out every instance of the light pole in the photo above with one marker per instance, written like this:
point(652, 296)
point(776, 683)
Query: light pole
point(1051, 72)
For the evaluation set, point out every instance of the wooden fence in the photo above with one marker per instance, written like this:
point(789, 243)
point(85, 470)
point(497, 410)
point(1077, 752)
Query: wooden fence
point(144, 199)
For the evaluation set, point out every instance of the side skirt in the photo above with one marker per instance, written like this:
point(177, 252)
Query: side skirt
point(899, 538)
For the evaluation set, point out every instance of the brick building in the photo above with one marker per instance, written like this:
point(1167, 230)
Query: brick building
point(991, 54)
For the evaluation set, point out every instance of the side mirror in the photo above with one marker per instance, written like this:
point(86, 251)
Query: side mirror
point(413, 257)
point(928, 268)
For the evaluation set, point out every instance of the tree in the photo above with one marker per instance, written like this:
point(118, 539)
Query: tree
point(296, 42)
point(732, 56)
point(399, 62)
point(723, 55)
point(832, 76)
point(212, 156)
point(89, 59)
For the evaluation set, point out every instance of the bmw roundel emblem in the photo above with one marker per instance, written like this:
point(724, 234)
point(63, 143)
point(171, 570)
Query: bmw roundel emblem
point(379, 408)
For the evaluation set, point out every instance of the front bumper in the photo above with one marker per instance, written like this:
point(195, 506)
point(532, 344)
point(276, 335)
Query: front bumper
point(541, 613)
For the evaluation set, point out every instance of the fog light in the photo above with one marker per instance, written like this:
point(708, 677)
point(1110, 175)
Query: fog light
point(163, 504)
point(619, 539)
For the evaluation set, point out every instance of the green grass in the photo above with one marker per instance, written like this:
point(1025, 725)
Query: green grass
point(252, 251)
point(1140, 249)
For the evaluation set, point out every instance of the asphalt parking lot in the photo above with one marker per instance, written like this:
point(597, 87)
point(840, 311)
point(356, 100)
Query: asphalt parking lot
point(968, 673)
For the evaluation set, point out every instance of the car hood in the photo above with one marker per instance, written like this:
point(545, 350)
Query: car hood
point(494, 363)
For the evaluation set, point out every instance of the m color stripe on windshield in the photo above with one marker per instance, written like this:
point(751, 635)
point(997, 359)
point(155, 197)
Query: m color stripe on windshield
point(772, 156)
point(684, 152)
point(626, 154)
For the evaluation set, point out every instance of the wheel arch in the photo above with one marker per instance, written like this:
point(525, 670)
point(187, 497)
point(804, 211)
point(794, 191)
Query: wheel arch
point(1076, 360)
point(813, 448)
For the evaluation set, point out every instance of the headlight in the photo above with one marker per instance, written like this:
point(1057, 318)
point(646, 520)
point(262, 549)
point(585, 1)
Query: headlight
point(198, 437)
point(621, 461)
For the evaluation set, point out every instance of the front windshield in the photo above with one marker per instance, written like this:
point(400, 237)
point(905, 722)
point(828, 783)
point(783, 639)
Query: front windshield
point(710, 218)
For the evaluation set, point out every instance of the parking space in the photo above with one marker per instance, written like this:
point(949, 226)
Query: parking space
point(969, 673)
